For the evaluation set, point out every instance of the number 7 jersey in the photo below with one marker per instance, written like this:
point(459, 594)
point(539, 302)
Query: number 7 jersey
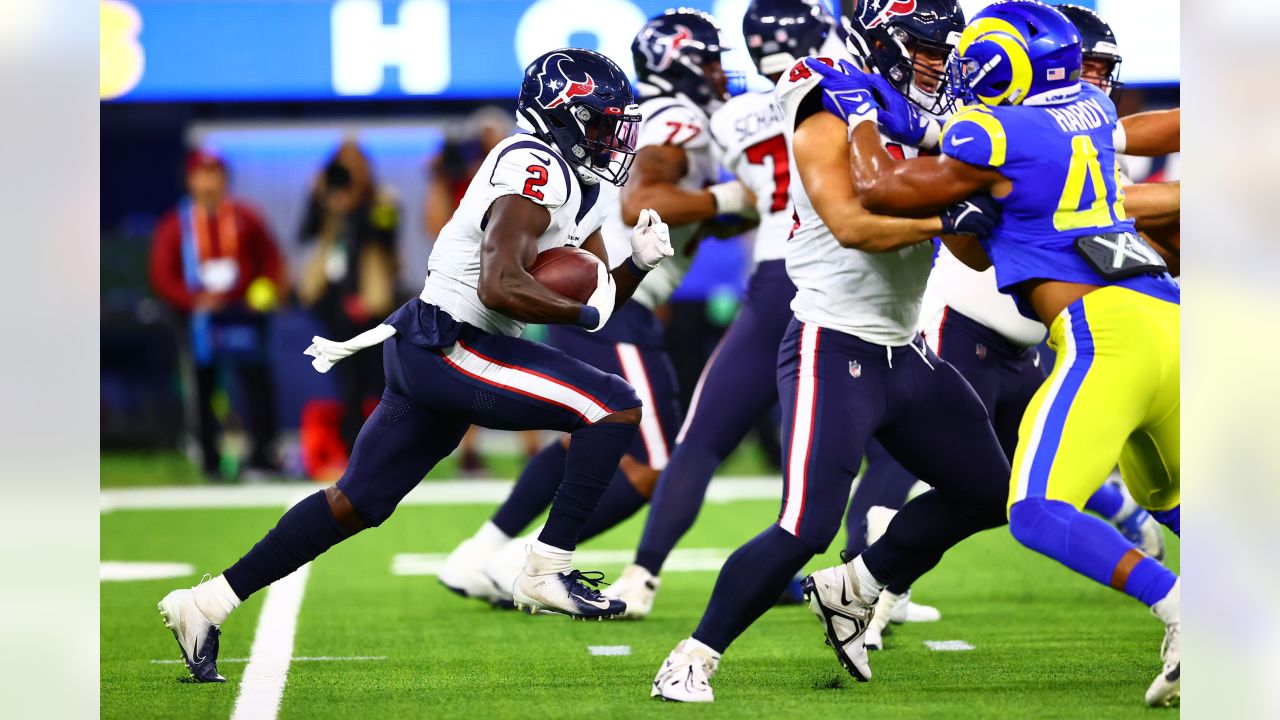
point(520, 165)
point(749, 130)
point(1061, 160)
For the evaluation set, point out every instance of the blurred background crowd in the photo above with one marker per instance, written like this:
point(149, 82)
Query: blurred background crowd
point(277, 170)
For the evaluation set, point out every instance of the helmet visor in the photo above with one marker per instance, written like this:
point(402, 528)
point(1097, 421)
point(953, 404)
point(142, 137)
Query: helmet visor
point(609, 141)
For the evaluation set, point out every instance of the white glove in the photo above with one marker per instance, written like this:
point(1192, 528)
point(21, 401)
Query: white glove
point(328, 352)
point(732, 198)
point(650, 241)
point(605, 295)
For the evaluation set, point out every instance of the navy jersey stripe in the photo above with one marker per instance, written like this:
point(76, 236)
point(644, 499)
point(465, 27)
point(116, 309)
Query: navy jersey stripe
point(589, 195)
point(536, 145)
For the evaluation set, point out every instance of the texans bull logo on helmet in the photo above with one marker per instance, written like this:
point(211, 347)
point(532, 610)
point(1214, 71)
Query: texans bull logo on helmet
point(895, 7)
point(557, 88)
point(660, 50)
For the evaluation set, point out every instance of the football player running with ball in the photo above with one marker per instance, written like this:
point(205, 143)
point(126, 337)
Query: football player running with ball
point(1041, 142)
point(452, 357)
point(851, 367)
point(677, 56)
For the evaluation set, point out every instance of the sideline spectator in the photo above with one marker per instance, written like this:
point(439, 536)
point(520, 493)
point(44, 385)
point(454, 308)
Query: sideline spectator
point(216, 264)
point(349, 280)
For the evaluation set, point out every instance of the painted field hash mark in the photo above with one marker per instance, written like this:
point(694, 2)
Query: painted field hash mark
point(609, 649)
point(947, 645)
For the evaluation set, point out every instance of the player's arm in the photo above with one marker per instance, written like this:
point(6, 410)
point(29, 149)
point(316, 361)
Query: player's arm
point(655, 184)
point(968, 250)
point(918, 187)
point(822, 157)
point(510, 245)
point(1150, 134)
point(1153, 205)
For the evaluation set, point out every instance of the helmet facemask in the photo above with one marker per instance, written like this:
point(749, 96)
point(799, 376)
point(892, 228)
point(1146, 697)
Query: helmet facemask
point(902, 64)
point(1109, 82)
point(608, 144)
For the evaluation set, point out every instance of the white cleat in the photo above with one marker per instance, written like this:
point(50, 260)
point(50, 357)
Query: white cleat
point(570, 593)
point(196, 636)
point(906, 611)
point(1166, 688)
point(463, 571)
point(686, 674)
point(637, 587)
point(845, 617)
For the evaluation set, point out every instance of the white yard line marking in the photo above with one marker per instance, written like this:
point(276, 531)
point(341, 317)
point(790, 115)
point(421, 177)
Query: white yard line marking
point(320, 658)
point(609, 649)
point(113, 571)
point(263, 683)
point(435, 492)
point(947, 645)
point(681, 560)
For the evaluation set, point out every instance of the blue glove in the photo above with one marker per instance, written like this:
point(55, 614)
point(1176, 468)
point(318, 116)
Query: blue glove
point(976, 216)
point(900, 119)
point(846, 92)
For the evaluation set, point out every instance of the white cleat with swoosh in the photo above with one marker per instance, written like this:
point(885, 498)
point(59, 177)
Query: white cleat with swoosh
point(570, 593)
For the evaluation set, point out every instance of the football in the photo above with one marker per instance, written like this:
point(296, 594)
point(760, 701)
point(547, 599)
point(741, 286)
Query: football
point(569, 271)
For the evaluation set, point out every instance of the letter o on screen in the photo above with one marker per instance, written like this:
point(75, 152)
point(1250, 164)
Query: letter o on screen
point(549, 24)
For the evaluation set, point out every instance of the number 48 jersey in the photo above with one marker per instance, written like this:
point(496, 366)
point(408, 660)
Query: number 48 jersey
point(520, 165)
point(1067, 203)
point(749, 130)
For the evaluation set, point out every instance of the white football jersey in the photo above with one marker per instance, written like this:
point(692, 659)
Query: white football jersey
point(748, 129)
point(667, 121)
point(975, 295)
point(873, 296)
point(520, 165)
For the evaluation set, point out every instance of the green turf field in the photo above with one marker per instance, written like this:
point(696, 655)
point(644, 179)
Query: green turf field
point(1046, 643)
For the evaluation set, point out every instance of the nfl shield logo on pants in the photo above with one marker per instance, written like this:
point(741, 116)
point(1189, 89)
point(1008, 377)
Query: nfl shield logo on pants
point(981, 351)
point(855, 369)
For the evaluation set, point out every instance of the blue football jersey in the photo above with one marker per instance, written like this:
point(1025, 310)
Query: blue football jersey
point(1061, 160)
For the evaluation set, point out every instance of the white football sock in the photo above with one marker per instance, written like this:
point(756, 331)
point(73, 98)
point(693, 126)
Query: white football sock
point(545, 559)
point(216, 599)
point(1169, 608)
point(694, 644)
point(491, 536)
point(864, 583)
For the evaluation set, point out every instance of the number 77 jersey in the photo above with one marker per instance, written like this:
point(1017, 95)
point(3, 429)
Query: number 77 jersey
point(1065, 218)
point(749, 130)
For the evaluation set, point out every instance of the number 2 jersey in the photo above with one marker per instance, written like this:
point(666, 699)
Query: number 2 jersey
point(519, 165)
point(1061, 160)
point(748, 129)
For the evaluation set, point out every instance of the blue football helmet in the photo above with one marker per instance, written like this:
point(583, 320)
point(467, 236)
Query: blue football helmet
point(891, 35)
point(1017, 52)
point(582, 103)
point(1097, 43)
point(780, 32)
point(672, 53)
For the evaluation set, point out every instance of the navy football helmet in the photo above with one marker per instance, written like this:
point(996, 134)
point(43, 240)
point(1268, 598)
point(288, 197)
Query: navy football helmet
point(780, 32)
point(673, 52)
point(893, 33)
point(582, 103)
point(1099, 45)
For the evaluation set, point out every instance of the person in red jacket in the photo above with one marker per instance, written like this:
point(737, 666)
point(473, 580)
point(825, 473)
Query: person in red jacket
point(214, 261)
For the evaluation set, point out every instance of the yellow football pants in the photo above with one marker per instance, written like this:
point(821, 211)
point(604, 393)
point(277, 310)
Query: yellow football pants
point(1113, 397)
